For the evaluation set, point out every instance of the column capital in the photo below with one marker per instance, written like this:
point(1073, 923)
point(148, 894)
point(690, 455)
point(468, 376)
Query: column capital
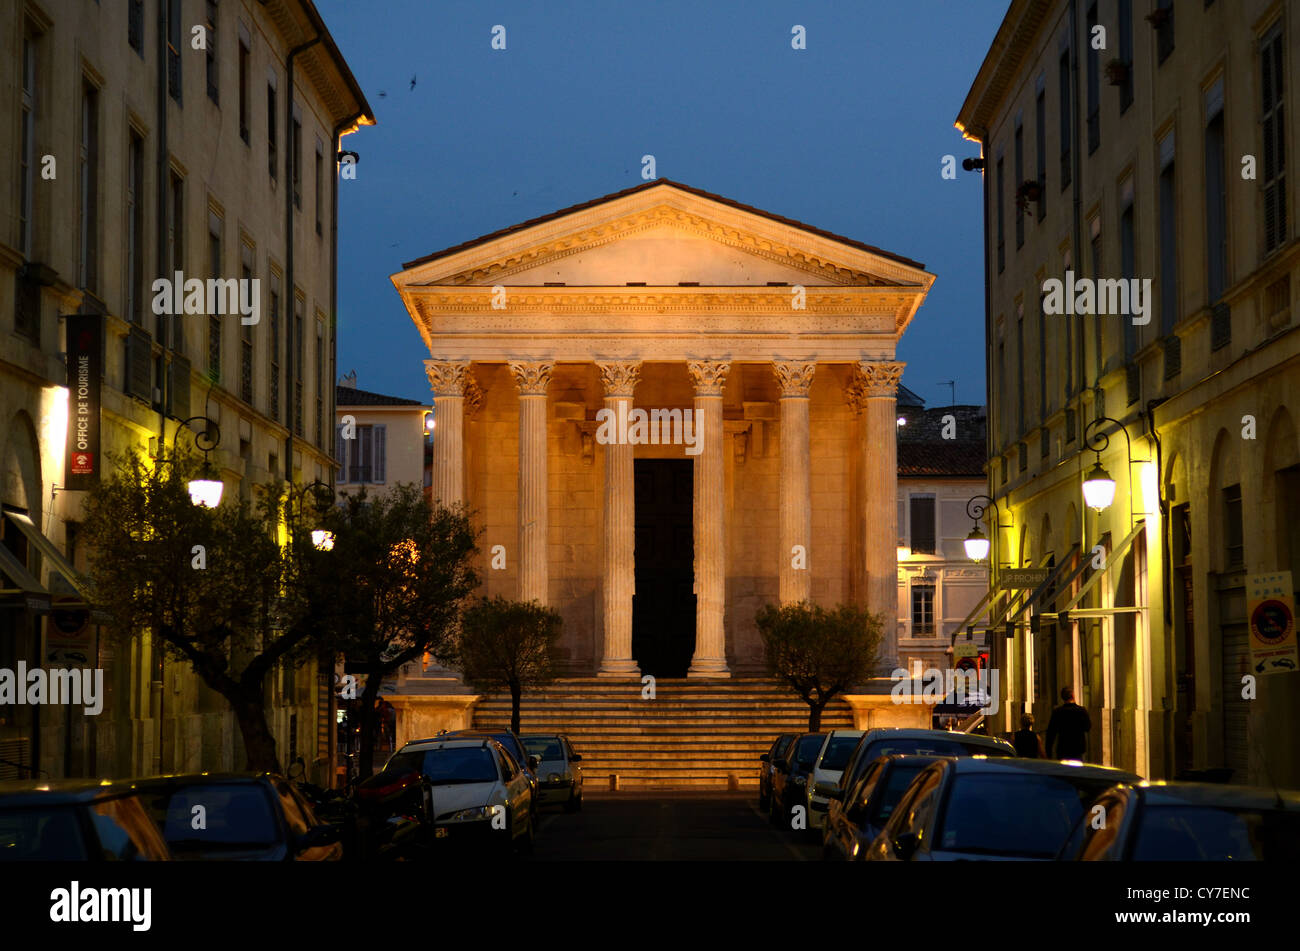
point(532, 378)
point(473, 396)
point(880, 377)
point(794, 377)
point(855, 392)
point(619, 377)
point(447, 377)
point(708, 376)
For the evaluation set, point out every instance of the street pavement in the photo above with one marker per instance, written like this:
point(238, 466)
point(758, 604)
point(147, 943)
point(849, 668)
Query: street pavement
point(668, 825)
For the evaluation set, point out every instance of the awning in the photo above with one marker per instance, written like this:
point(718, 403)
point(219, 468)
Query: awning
point(38, 599)
point(1115, 556)
point(63, 575)
point(1049, 583)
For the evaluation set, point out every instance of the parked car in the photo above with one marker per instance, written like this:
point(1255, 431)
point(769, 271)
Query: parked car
point(831, 760)
point(852, 825)
point(790, 780)
point(558, 773)
point(76, 821)
point(513, 745)
point(977, 807)
point(477, 792)
point(1188, 822)
point(767, 768)
point(229, 817)
point(885, 741)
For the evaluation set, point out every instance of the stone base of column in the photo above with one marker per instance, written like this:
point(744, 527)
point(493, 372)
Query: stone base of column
point(619, 669)
point(709, 668)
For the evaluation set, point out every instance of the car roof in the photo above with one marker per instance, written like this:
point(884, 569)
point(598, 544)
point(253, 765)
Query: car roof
point(1162, 793)
point(58, 792)
point(911, 733)
point(1043, 767)
point(450, 743)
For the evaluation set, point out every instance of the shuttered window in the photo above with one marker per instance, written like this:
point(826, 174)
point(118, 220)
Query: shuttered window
point(1272, 84)
point(363, 458)
point(921, 520)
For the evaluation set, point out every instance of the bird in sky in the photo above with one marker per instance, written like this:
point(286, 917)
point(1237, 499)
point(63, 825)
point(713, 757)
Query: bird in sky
point(412, 81)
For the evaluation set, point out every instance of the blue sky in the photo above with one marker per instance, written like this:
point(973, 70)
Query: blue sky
point(846, 135)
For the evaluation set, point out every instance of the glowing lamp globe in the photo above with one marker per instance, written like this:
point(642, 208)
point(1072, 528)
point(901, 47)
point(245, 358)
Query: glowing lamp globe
point(1098, 488)
point(206, 492)
point(322, 539)
point(976, 545)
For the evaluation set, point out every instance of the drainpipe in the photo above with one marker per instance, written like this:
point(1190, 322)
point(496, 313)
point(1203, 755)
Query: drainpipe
point(291, 323)
point(156, 693)
point(1077, 237)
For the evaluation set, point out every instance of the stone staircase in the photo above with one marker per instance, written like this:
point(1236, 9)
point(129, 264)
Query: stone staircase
point(694, 733)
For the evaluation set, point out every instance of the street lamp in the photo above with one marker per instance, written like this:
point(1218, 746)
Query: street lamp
point(976, 545)
point(322, 539)
point(205, 491)
point(1098, 486)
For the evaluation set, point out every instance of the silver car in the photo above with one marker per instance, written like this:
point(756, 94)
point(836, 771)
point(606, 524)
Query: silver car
point(559, 777)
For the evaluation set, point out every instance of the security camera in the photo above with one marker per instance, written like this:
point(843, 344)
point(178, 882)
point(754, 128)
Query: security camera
point(971, 164)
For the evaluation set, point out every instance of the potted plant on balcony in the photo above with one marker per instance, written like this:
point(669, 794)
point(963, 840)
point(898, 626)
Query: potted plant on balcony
point(1029, 190)
point(1117, 72)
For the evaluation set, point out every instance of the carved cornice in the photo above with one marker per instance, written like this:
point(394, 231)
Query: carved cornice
point(532, 378)
point(709, 376)
point(447, 377)
point(619, 377)
point(855, 393)
point(880, 377)
point(794, 378)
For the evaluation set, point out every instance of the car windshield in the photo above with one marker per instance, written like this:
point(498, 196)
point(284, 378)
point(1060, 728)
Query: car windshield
point(896, 783)
point(1022, 815)
point(544, 747)
point(930, 746)
point(838, 752)
point(806, 751)
point(1207, 834)
point(214, 816)
point(458, 764)
point(41, 834)
point(512, 746)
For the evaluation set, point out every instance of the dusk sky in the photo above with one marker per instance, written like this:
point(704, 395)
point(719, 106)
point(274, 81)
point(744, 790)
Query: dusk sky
point(846, 135)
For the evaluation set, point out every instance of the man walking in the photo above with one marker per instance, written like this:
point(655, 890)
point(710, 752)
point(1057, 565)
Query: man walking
point(1067, 731)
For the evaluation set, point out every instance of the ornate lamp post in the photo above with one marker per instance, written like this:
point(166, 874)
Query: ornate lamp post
point(206, 490)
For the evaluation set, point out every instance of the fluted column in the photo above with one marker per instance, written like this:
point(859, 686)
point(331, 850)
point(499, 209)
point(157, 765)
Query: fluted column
point(710, 658)
point(619, 380)
point(794, 575)
point(879, 394)
point(449, 380)
point(532, 379)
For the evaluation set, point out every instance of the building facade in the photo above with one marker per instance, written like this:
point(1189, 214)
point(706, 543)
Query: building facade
point(1143, 143)
point(667, 410)
point(382, 441)
point(137, 156)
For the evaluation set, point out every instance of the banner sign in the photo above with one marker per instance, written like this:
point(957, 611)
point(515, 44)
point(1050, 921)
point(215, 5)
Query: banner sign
point(85, 349)
point(1022, 577)
point(1270, 612)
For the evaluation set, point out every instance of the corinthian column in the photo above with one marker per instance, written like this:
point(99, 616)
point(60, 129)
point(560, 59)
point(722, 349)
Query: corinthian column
point(449, 380)
point(879, 395)
point(620, 538)
point(710, 658)
point(532, 379)
point(794, 577)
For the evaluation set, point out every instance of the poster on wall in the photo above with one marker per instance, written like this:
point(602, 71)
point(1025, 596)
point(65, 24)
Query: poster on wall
point(1270, 611)
point(85, 370)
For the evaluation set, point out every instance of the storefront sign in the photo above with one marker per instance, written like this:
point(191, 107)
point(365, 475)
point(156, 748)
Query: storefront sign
point(85, 370)
point(1270, 612)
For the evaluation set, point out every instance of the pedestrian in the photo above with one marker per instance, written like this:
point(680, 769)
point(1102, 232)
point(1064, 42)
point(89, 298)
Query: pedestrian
point(1067, 731)
point(1028, 743)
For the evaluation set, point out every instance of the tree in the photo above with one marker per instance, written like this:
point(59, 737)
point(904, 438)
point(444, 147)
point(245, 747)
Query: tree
point(213, 585)
point(819, 653)
point(510, 644)
point(392, 587)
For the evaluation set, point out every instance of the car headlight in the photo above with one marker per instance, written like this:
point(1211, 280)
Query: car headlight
point(469, 815)
point(553, 777)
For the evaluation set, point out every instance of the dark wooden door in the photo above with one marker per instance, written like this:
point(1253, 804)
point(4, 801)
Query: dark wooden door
point(663, 608)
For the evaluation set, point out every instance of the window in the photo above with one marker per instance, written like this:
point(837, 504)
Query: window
point(320, 384)
point(1234, 549)
point(1168, 237)
point(1002, 375)
point(175, 258)
point(271, 159)
point(1094, 86)
point(1042, 357)
point(316, 185)
point(1040, 147)
point(135, 229)
point(1164, 14)
point(295, 157)
point(1070, 330)
point(1127, 254)
point(363, 456)
point(921, 520)
point(214, 320)
point(244, 57)
point(1098, 358)
point(1020, 368)
point(274, 395)
point(999, 198)
point(1019, 158)
point(211, 41)
point(135, 26)
point(88, 265)
point(1216, 196)
point(1063, 110)
point(1273, 185)
point(297, 355)
point(27, 150)
point(1126, 54)
point(246, 330)
point(174, 44)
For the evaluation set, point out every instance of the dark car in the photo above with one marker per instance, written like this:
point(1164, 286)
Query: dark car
point(1187, 822)
point(76, 821)
point(885, 741)
point(853, 824)
point(237, 817)
point(791, 775)
point(768, 768)
point(977, 807)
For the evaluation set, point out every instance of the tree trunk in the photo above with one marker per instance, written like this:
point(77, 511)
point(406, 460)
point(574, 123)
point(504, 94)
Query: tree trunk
point(815, 716)
point(259, 743)
point(366, 762)
point(515, 691)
